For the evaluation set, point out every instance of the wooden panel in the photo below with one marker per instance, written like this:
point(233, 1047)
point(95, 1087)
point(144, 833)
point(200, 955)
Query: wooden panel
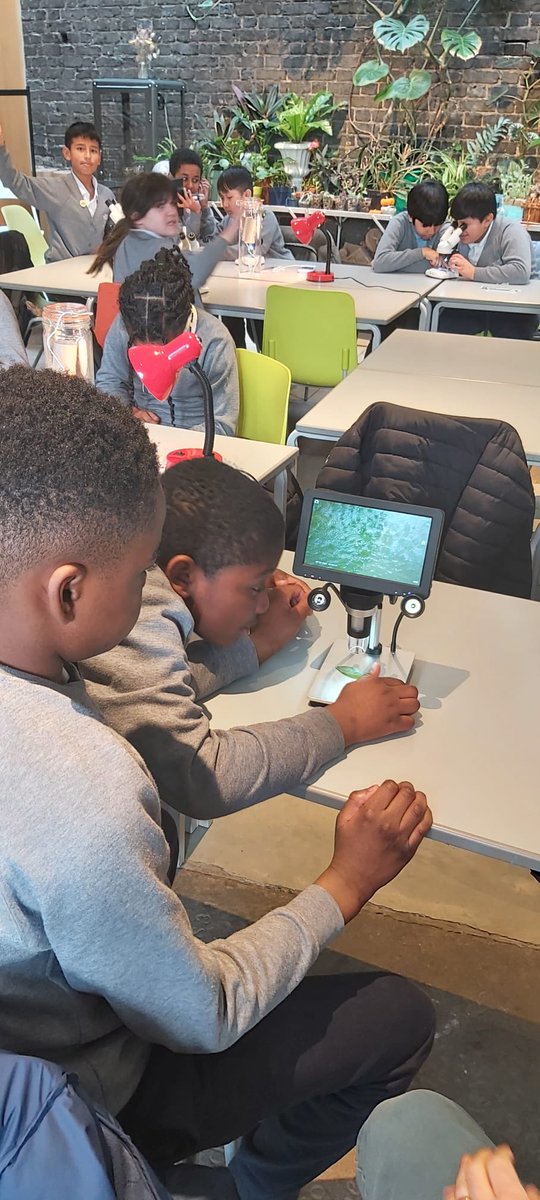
point(13, 111)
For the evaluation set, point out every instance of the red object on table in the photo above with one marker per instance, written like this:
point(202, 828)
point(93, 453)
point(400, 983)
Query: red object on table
point(178, 456)
point(304, 228)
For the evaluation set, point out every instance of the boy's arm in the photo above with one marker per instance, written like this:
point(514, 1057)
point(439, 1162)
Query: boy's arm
point(208, 224)
point(516, 255)
point(202, 263)
point(390, 257)
point(219, 363)
point(114, 374)
point(271, 235)
point(38, 192)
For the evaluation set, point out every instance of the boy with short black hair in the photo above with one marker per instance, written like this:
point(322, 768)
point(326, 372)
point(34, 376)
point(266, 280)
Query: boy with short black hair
point(100, 969)
point(157, 303)
point(187, 167)
point(76, 205)
point(216, 576)
point(236, 184)
point(493, 250)
point(410, 239)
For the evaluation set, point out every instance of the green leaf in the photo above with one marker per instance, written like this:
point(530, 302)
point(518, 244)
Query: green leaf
point(406, 87)
point(461, 43)
point(394, 35)
point(205, 4)
point(352, 672)
point(370, 72)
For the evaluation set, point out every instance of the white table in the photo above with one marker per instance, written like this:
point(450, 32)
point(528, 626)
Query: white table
point(227, 292)
point(263, 460)
point(344, 404)
point(378, 300)
point(458, 356)
point(464, 293)
point(474, 751)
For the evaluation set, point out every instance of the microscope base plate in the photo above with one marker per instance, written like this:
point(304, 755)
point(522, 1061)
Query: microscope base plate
point(342, 666)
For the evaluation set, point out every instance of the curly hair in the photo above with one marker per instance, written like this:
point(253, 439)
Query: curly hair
point(155, 302)
point(78, 475)
point(139, 195)
point(219, 516)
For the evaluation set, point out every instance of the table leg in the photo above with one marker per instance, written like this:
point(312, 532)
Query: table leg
point(280, 490)
point(424, 321)
point(374, 330)
point(435, 312)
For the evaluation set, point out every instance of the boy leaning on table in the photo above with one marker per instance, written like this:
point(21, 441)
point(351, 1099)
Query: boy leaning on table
point(409, 242)
point(493, 250)
point(74, 202)
point(216, 577)
point(192, 1045)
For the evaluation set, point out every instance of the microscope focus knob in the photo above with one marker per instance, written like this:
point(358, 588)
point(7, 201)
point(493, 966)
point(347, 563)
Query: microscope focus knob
point(412, 606)
point(319, 599)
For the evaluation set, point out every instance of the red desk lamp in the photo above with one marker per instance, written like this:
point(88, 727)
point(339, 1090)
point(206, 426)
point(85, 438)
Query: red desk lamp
point(158, 368)
point(304, 228)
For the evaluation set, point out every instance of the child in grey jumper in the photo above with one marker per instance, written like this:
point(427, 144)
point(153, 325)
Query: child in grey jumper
point(234, 185)
point(217, 577)
point(157, 303)
point(493, 250)
point(197, 217)
point(151, 223)
point(76, 205)
point(410, 239)
point(101, 971)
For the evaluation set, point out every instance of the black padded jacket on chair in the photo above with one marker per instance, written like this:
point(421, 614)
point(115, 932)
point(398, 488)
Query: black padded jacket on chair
point(473, 469)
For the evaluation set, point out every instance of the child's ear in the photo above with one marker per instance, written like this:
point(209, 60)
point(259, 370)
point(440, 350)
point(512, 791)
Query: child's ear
point(181, 571)
point(64, 590)
point(66, 153)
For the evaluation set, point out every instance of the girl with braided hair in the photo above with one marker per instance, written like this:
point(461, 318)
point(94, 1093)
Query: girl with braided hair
point(157, 303)
point(151, 223)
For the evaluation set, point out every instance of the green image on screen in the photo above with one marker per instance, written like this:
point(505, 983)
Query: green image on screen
point(374, 542)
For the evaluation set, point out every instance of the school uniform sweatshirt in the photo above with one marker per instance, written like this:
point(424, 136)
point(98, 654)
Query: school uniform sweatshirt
point(507, 254)
point(97, 956)
point(185, 407)
point(139, 245)
point(150, 689)
point(399, 250)
point(72, 228)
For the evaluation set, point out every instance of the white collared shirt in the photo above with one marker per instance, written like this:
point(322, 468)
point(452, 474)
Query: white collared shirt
point(476, 248)
point(91, 202)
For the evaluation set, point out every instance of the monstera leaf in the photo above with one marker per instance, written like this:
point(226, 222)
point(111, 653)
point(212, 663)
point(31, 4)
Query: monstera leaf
point(406, 87)
point(461, 43)
point(370, 72)
point(394, 35)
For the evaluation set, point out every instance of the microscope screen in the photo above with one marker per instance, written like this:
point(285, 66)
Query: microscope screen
point(373, 542)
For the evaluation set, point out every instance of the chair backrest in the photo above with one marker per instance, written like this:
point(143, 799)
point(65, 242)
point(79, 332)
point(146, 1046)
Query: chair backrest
point(264, 398)
point(17, 217)
point(107, 308)
point(475, 470)
point(313, 332)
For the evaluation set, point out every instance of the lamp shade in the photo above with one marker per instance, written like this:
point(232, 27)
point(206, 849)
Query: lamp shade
point(159, 366)
point(304, 227)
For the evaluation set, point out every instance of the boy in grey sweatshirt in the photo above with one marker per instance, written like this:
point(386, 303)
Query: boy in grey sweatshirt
point(221, 543)
point(75, 204)
point(156, 304)
point(410, 239)
point(100, 970)
point(186, 168)
point(493, 250)
point(236, 184)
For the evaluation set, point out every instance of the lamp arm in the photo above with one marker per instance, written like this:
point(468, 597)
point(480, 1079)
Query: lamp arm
point(208, 398)
point(328, 248)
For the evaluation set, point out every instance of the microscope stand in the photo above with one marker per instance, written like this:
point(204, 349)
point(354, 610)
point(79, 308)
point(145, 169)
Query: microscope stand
point(342, 665)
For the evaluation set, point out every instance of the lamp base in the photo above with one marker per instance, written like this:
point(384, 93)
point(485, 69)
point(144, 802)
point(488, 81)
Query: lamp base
point(178, 456)
point(320, 277)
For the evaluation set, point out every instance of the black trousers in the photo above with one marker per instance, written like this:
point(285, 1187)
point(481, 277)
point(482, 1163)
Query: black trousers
point(499, 324)
point(298, 1086)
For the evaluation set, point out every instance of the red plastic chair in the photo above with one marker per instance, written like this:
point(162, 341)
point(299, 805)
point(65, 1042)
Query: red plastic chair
point(107, 308)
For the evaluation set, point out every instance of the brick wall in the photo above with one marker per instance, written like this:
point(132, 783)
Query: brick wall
point(304, 44)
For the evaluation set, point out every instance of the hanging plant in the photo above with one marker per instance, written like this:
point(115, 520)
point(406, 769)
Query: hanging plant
point(394, 35)
point(461, 43)
point(406, 87)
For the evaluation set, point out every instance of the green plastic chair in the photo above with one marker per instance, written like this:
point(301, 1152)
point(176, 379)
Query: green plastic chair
point(264, 398)
point(17, 217)
point(312, 332)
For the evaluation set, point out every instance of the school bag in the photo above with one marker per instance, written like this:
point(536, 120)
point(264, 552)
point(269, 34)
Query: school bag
point(56, 1145)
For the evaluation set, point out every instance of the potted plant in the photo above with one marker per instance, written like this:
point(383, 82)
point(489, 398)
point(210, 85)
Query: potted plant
point(295, 121)
point(516, 183)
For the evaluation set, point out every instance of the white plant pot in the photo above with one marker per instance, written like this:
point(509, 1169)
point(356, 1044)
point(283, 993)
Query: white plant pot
point(295, 157)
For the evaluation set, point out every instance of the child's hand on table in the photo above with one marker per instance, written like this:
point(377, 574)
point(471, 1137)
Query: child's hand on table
point(489, 1175)
point(287, 608)
point(142, 414)
point(433, 257)
point(464, 268)
point(374, 707)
